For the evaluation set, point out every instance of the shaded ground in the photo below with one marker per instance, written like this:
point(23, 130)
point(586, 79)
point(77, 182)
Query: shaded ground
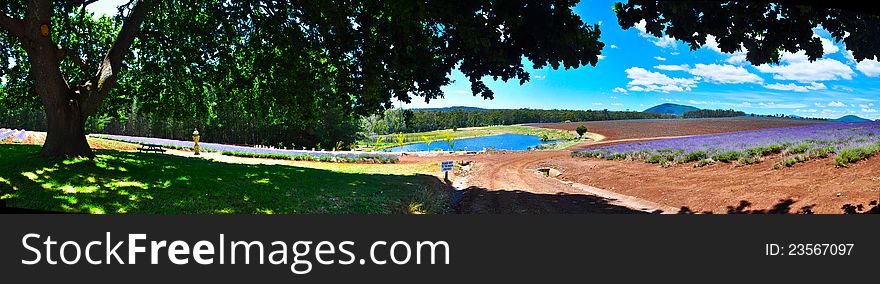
point(130, 182)
point(479, 200)
point(644, 128)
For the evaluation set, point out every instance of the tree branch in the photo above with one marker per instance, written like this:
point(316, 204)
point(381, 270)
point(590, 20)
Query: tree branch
point(14, 26)
point(108, 71)
point(62, 52)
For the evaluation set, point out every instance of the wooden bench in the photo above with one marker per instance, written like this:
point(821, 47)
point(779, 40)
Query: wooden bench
point(151, 148)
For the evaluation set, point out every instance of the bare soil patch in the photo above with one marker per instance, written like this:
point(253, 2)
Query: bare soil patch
point(815, 186)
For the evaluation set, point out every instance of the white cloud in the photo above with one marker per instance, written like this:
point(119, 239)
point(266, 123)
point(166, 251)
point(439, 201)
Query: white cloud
point(869, 110)
point(869, 67)
point(665, 41)
point(644, 80)
point(836, 104)
point(597, 104)
point(797, 67)
point(539, 77)
point(461, 92)
point(683, 67)
point(613, 46)
point(783, 105)
point(828, 46)
point(697, 102)
point(659, 58)
point(601, 57)
point(617, 105)
point(619, 90)
point(796, 88)
point(725, 74)
point(738, 57)
point(806, 110)
point(674, 53)
point(843, 88)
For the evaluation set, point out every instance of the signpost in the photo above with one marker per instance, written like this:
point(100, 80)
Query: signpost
point(446, 167)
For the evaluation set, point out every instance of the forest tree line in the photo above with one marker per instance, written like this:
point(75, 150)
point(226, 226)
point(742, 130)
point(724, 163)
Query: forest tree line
point(707, 113)
point(229, 127)
point(232, 127)
point(408, 121)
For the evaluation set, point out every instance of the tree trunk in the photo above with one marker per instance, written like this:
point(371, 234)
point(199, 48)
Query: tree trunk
point(66, 135)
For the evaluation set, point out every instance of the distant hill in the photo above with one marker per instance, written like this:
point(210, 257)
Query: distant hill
point(850, 118)
point(673, 109)
point(452, 108)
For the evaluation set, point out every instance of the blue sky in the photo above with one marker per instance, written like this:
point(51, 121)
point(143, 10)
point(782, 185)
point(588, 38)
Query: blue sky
point(638, 71)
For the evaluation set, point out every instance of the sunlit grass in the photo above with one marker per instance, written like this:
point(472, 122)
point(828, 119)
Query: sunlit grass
point(128, 182)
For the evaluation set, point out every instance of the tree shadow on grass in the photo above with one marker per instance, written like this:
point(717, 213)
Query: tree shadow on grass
point(477, 200)
point(128, 182)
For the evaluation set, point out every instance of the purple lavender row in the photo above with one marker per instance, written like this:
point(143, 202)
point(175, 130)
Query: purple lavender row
point(839, 135)
point(5, 133)
point(233, 148)
point(19, 136)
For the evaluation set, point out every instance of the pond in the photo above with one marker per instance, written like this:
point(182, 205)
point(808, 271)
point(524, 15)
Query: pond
point(498, 142)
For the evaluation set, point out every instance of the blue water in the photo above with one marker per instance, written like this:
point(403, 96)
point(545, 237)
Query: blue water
point(498, 142)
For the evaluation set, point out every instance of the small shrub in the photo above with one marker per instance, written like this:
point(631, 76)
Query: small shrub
point(848, 156)
point(798, 149)
point(581, 130)
point(823, 152)
point(727, 157)
point(747, 160)
point(693, 156)
point(703, 163)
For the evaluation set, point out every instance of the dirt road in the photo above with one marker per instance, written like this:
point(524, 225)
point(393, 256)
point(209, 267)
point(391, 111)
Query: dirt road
point(509, 182)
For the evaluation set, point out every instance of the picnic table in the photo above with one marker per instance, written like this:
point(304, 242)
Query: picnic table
point(151, 148)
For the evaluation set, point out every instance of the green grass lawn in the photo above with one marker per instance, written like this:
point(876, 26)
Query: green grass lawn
point(439, 136)
point(129, 182)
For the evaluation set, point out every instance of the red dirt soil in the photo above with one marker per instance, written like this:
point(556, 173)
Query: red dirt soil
point(629, 129)
point(816, 184)
point(508, 182)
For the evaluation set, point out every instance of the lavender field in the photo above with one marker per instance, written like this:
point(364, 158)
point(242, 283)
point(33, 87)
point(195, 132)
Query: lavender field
point(254, 152)
point(847, 142)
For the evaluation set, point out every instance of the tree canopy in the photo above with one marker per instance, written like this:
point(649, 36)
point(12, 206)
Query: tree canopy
point(274, 61)
point(764, 30)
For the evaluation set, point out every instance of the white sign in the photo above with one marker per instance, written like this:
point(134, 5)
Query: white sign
point(446, 166)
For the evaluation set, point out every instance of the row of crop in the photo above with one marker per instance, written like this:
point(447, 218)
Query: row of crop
point(379, 159)
point(18, 136)
point(850, 142)
point(791, 154)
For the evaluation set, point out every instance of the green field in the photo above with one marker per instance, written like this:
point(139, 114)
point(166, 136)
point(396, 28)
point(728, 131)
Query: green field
point(129, 182)
point(440, 136)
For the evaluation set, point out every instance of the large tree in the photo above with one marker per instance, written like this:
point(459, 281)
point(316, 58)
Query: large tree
point(274, 60)
point(764, 30)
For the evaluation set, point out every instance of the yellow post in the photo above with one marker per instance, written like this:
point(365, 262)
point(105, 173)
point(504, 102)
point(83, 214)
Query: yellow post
point(196, 140)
